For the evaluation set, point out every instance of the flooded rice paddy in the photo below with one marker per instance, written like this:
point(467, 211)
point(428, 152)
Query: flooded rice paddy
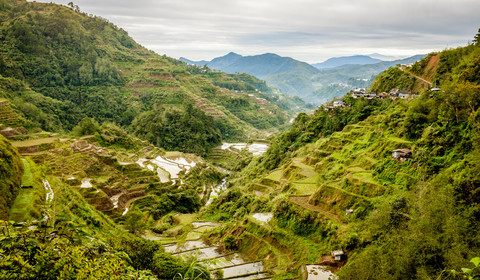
point(263, 217)
point(86, 183)
point(319, 272)
point(257, 149)
point(233, 265)
point(167, 168)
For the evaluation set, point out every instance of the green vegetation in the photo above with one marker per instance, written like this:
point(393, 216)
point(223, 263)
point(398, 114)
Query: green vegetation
point(11, 170)
point(328, 182)
point(406, 219)
point(191, 130)
point(82, 71)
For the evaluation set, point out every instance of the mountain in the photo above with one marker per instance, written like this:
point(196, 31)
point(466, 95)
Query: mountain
point(338, 81)
point(222, 62)
point(346, 60)
point(261, 66)
point(384, 57)
point(62, 66)
point(288, 75)
point(191, 62)
point(335, 179)
point(388, 185)
point(300, 79)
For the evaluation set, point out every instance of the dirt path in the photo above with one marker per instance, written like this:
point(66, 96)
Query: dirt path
point(303, 202)
point(418, 77)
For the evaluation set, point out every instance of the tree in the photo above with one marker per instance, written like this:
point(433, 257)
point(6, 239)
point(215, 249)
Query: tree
point(87, 126)
point(476, 39)
point(134, 222)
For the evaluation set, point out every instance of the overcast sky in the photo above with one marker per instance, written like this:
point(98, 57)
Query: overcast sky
point(307, 30)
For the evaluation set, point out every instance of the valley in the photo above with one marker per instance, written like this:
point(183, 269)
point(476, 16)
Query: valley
point(119, 163)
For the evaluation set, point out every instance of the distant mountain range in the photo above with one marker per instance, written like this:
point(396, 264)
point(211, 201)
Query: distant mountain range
point(261, 66)
point(346, 60)
point(317, 83)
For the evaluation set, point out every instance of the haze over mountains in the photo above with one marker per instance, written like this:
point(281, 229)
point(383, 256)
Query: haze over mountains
point(346, 60)
point(317, 83)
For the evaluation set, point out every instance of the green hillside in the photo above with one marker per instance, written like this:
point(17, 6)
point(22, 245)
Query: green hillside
point(59, 65)
point(102, 175)
point(300, 79)
point(11, 170)
point(415, 218)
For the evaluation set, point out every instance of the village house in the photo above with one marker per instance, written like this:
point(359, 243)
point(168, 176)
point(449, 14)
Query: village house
point(382, 94)
point(359, 92)
point(403, 94)
point(402, 154)
point(339, 255)
point(339, 103)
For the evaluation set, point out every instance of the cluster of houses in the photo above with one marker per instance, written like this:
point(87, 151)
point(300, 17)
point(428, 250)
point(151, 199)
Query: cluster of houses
point(393, 94)
point(362, 93)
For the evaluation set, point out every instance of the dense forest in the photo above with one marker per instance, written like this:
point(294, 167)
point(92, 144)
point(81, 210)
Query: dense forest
point(109, 159)
point(59, 65)
point(411, 219)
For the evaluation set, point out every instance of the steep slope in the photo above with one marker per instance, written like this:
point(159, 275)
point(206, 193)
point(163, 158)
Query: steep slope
point(191, 62)
point(78, 65)
point(55, 234)
point(11, 170)
point(345, 61)
point(305, 81)
point(393, 183)
point(288, 75)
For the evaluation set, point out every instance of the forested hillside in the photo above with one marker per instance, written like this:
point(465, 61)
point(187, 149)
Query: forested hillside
point(93, 185)
point(59, 65)
point(11, 170)
point(333, 181)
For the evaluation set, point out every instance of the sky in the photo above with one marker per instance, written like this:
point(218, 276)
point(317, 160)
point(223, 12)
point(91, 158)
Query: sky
point(307, 30)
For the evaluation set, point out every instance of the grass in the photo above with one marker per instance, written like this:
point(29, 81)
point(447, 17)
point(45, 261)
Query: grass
point(27, 176)
point(275, 175)
point(185, 219)
point(19, 212)
point(365, 177)
point(399, 140)
point(34, 142)
point(24, 203)
point(304, 189)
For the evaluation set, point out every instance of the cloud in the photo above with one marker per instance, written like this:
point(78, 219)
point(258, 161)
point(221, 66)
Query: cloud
point(309, 30)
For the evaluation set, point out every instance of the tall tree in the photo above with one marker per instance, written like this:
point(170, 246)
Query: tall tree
point(476, 39)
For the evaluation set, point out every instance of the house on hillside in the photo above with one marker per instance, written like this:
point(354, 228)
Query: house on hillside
point(402, 154)
point(382, 94)
point(403, 94)
point(359, 92)
point(339, 255)
point(339, 103)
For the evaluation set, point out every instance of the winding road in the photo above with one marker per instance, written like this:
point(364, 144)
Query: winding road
point(418, 77)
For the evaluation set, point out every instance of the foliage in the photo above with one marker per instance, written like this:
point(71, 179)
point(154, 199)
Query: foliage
point(11, 170)
point(41, 252)
point(309, 128)
point(78, 66)
point(393, 78)
point(170, 200)
point(476, 39)
point(189, 130)
point(233, 204)
point(229, 242)
point(87, 126)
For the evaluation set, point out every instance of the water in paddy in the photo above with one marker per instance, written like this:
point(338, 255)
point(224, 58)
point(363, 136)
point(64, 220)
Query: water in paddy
point(319, 272)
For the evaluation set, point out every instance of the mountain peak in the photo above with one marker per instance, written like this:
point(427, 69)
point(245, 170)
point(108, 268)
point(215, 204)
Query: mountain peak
point(346, 60)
